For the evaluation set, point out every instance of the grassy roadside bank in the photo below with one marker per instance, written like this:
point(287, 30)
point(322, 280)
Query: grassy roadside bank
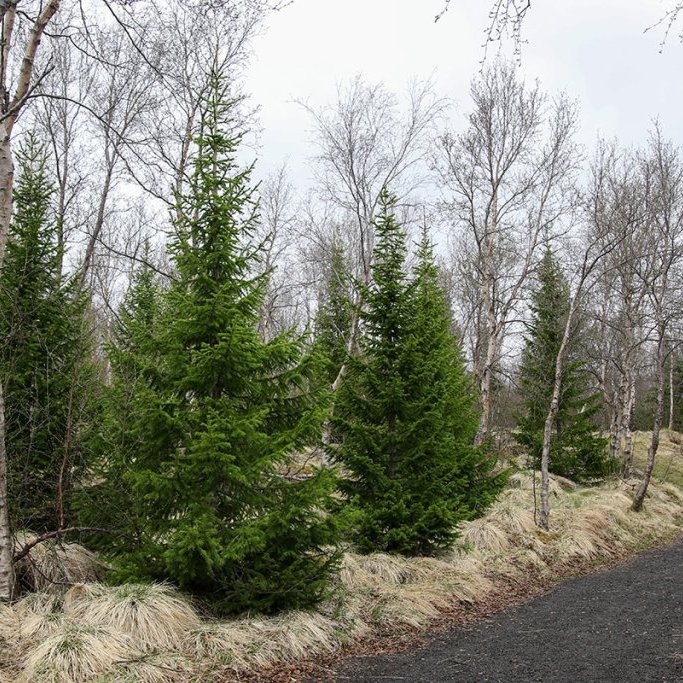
point(91, 632)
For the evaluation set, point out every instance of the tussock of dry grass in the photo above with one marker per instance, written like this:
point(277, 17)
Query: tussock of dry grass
point(55, 563)
point(155, 616)
point(486, 536)
point(151, 633)
point(75, 652)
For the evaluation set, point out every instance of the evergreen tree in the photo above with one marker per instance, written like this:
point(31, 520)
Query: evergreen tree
point(221, 412)
point(110, 503)
point(576, 451)
point(406, 414)
point(333, 320)
point(41, 359)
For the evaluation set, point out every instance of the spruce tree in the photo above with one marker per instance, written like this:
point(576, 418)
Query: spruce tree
point(109, 502)
point(221, 412)
point(576, 451)
point(41, 358)
point(406, 413)
point(332, 327)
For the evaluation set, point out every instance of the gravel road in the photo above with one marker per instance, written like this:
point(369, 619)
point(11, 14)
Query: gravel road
point(622, 625)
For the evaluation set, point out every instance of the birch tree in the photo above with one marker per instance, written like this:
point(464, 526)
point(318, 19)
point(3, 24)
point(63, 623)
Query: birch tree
point(16, 84)
point(662, 171)
point(620, 308)
point(597, 245)
point(284, 301)
point(368, 141)
point(506, 182)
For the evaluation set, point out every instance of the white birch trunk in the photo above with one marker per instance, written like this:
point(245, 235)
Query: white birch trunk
point(627, 457)
point(656, 428)
point(7, 579)
point(10, 111)
point(544, 515)
point(671, 393)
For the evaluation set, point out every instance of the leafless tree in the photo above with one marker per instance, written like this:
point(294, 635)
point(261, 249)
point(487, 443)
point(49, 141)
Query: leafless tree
point(588, 249)
point(286, 294)
point(662, 172)
point(60, 121)
point(189, 39)
point(507, 185)
point(506, 19)
point(22, 33)
point(367, 141)
point(618, 208)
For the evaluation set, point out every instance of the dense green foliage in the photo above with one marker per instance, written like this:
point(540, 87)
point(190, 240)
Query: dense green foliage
point(335, 308)
point(406, 411)
point(215, 412)
point(109, 501)
point(41, 324)
point(576, 451)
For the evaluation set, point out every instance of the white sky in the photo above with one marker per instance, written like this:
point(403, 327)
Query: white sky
point(595, 50)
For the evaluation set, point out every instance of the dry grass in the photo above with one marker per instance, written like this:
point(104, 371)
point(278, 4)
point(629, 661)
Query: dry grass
point(155, 616)
point(151, 633)
point(167, 667)
point(75, 652)
point(53, 564)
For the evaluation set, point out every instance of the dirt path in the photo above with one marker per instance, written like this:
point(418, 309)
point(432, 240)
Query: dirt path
point(623, 625)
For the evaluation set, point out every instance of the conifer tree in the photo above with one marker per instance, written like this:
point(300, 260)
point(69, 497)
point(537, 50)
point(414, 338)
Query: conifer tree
point(109, 503)
point(221, 411)
point(41, 324)
point(333, 320)
point(576, 452)
point(406, 413)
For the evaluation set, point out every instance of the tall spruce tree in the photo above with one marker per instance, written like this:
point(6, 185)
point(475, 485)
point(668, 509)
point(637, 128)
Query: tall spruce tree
point(222, 411)
point(41, 358)
point(406, 413)
point(576, 452)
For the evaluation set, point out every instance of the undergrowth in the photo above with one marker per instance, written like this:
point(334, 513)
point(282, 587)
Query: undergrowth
point(151, 633)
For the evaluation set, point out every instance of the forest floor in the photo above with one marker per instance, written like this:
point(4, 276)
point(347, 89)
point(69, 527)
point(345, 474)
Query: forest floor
point(624, 624)
point(503, 605)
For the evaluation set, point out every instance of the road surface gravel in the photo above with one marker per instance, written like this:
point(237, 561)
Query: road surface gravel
point(622, 625)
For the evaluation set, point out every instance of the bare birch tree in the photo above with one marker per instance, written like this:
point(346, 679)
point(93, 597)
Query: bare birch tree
point(367, 141)
point(662, 172)
point(507, 182)
point(597, 240)
point(18, 79)
point(506, 20)
point(284, 302)
point(618, 208)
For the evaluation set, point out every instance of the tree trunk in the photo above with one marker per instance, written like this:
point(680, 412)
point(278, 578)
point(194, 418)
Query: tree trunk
point(627, 457)
point(654, 441)
point(10, 110)
point(486, 382)
point(97, 227)
point(671, 393)
point(6, 184)
point(544, 515)
point(6, 543)
point(7, 580)
point(617, 430)
point(350, 349)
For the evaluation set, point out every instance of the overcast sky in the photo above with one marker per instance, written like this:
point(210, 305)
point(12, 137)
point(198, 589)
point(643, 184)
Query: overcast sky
point(595, 50)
